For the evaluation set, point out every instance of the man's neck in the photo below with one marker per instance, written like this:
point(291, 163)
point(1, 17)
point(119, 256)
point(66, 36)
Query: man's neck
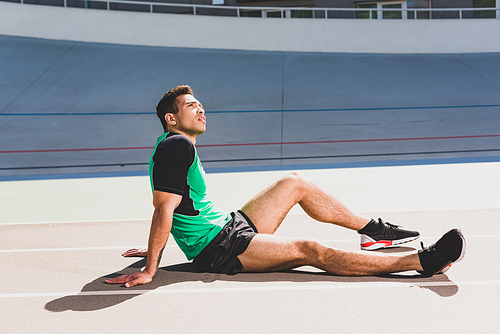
point(189, 136)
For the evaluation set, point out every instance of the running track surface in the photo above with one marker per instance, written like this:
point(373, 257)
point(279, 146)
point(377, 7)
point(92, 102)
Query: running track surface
point(65, 236)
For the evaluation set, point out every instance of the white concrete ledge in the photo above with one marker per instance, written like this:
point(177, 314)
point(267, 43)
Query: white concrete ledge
point(405, 188)
point(308, 35)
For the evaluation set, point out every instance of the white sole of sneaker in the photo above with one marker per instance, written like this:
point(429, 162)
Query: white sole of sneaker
point(462, 254)
point(368, 243)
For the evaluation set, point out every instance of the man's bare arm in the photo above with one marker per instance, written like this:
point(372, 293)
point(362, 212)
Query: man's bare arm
point(161, 223)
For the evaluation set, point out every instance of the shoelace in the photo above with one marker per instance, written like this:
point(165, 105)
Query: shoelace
point(393, 226)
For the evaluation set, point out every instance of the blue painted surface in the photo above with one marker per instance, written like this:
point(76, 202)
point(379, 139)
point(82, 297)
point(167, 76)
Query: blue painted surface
point(345, 110)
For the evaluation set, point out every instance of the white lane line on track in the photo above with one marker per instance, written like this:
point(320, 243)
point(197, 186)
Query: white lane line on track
point(78, 222)
point(34, 250)
point(69, 249)
point(295, 287)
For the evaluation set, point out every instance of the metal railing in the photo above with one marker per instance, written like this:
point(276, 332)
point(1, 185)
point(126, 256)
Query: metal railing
point(279, 12)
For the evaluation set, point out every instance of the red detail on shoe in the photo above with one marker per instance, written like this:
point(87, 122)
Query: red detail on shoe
point(445, 269)
point(384, 242)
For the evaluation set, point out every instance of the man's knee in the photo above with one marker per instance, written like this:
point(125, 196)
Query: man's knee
point(309, 249)
point(315, 253)
point(295, 178)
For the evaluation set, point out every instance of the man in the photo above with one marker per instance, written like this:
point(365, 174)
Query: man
point(243, 241)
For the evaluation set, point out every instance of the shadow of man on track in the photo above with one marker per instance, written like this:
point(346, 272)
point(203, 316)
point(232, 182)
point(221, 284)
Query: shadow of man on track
point(98, 295)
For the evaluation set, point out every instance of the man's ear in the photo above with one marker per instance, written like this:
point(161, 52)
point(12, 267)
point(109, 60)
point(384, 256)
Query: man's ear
point(170, 119)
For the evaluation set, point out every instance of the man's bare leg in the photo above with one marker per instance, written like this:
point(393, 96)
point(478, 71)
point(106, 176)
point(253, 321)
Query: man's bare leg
point(268, 208)
point(272, 253)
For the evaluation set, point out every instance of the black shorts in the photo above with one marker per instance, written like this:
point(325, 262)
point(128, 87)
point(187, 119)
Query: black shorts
point(220, 255)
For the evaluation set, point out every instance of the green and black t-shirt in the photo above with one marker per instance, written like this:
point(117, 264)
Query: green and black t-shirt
point(175, 167)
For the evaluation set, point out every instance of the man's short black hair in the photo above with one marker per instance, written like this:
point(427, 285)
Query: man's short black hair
point(168, 103)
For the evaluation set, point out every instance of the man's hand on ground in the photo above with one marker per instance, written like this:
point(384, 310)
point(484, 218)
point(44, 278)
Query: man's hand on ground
point(136, 252)
point(131, 280)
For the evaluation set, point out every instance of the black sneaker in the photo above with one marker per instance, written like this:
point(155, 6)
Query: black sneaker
point(438, 258)
point(380, 234)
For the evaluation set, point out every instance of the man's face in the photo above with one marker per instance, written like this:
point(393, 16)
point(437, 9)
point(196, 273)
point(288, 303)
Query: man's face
point(191, 116)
